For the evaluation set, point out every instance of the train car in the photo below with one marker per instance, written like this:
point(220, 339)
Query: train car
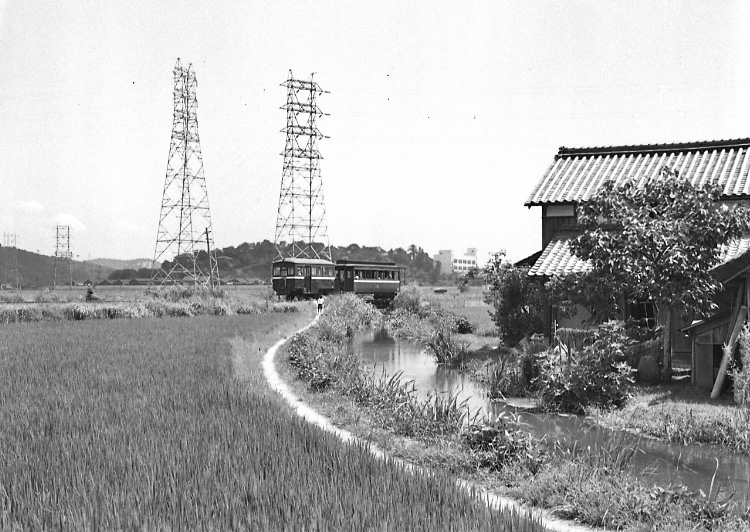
point(303, 278)
point(381, 280)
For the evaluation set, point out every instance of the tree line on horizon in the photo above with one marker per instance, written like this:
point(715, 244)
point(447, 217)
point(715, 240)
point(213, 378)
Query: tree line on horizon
point(254, 260)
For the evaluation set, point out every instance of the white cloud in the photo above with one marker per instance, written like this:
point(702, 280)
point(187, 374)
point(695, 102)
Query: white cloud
point(68, 219)
point(29, 206)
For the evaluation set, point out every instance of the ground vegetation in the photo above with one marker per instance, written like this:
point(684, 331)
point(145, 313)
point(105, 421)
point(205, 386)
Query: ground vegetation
point(168, 424)
point(596, 485)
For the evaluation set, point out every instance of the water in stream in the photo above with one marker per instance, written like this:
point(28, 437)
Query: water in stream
point(662, 463)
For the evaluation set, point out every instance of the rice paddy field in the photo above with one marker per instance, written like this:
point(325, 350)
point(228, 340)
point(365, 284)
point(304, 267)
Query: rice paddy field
point(168, 424)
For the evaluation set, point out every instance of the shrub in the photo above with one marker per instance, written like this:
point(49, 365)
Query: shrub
point(410, 300)
point(741, 370)
point(395, 407)
point(445, 348)
point(598, 377)
point(495, 444)
point(320, 363)
point(515, 298)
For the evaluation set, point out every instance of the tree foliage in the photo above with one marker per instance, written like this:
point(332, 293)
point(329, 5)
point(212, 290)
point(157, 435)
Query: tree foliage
point(516, 299)
point(659, 240)
point(589, 290)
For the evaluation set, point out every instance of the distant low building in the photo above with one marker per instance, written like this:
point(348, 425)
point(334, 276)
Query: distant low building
point(453, 263)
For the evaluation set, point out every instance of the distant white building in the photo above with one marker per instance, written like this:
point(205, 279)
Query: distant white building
point(450, 262)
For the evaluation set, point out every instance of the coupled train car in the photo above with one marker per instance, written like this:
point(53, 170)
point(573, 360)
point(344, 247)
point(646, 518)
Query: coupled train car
point(306, 278)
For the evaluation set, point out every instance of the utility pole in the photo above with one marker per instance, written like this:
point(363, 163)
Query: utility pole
point(185, 218)
point(301, 218)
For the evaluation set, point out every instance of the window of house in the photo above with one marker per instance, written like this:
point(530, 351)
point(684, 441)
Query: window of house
point(644, 312)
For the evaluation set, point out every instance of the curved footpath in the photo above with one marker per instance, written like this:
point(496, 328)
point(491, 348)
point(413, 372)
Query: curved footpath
point(311, 416)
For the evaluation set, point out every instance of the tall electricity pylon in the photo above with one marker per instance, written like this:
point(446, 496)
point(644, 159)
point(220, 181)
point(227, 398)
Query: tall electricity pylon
point(301, 228)
point(63, 255)
point(10, 241)
point(185, 250)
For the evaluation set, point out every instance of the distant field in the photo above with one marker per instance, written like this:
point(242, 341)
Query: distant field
point(114, 293)
point(469, 303)
point(141, 424)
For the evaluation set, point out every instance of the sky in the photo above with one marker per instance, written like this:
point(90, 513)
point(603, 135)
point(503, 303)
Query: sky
point(442, 116)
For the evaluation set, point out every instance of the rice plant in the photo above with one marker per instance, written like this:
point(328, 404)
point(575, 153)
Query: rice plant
point(139, 424)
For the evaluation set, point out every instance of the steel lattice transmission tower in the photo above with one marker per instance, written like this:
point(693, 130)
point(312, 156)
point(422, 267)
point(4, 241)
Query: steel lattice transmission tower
point(10, 241)
point(63, 255)
point(301, 228)
point(185, 237)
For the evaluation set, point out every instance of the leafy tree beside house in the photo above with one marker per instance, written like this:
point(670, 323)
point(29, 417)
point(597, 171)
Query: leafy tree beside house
point(515, 298)
point(659, 241)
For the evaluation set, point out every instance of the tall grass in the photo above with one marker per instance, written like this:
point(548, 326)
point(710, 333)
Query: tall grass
point(140, 425)
point(321, 358)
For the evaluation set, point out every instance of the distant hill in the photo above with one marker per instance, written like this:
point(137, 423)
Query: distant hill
point(19, 267)
point(116, 264)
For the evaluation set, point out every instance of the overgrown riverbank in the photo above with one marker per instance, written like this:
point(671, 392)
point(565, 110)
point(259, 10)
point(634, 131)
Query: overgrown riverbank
point(594, 486)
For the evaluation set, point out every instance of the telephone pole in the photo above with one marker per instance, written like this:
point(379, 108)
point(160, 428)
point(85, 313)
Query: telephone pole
point(185, 219)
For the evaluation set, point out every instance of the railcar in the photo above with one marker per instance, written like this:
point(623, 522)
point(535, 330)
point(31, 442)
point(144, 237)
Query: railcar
point(381, 280)
point(303, 278)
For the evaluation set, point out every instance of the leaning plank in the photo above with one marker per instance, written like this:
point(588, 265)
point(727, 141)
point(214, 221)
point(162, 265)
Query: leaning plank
point(729, 352)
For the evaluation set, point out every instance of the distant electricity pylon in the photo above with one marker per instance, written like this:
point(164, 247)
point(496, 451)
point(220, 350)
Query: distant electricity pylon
point(63, 255)
point(10, 241)
point(185, 250)
point(301, 228)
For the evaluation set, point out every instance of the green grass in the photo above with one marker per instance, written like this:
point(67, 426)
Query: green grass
point(596, 486)
point(168, 424)
point(678, 413)
point(159, 303)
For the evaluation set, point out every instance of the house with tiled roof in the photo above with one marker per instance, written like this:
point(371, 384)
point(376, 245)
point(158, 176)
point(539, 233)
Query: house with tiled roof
point(576, 174)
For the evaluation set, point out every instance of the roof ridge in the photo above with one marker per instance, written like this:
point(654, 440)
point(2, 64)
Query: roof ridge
point(652, 148)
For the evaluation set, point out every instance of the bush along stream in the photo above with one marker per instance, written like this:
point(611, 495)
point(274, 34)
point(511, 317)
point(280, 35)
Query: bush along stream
point(595, 485)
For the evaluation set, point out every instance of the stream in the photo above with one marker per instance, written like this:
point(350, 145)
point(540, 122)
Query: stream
point(659, 463)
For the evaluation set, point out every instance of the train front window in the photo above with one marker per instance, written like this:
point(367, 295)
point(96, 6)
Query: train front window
point(276, 271)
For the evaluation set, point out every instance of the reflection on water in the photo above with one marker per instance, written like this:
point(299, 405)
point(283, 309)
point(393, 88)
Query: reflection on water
point(662, 463)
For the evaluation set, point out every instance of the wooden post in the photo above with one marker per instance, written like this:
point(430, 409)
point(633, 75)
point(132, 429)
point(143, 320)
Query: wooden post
point(729, 352)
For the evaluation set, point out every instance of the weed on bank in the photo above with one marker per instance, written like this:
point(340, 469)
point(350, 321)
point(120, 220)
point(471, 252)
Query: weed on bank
point(595, 486)
point(140, 424)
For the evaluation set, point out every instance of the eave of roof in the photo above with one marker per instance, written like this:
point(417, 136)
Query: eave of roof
point(577, 173)
point(558, 259)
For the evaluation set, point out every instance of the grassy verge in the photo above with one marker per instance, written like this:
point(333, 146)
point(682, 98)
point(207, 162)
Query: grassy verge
point(158, 303)
point(597, 487)
point(682, 414)
point(168, 424)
